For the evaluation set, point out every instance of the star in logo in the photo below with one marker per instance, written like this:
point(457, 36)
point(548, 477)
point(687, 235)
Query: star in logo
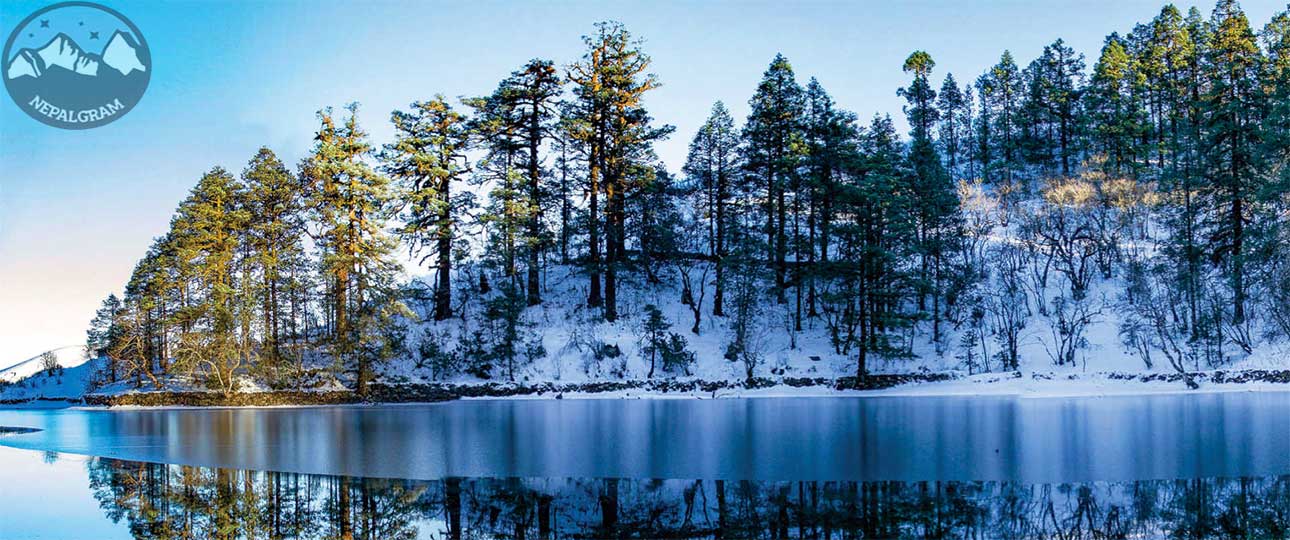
point(94, 35)
point(44, 23)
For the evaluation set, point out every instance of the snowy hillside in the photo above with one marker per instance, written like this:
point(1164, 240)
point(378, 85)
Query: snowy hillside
point(30, 379)
point(68, 357)
point(566, 329)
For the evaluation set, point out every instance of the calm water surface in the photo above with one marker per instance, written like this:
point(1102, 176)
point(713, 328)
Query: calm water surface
point(1194, 465)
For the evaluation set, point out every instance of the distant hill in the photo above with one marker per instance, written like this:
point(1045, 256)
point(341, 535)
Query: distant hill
point(68, 357)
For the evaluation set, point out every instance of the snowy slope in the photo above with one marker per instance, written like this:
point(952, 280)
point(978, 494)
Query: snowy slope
point(71, 381)
point(68, 357)
point(562, 323)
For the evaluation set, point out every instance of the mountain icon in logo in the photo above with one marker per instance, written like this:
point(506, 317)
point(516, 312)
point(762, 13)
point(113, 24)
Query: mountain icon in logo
point(121, 54)
point(52, 73)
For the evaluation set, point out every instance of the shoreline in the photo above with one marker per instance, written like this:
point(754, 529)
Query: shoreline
point(1035, 385)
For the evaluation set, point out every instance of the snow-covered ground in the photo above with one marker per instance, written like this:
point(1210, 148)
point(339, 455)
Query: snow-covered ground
point(68, 357)
point(565, 328)
point(564, 325)
point(29, 379)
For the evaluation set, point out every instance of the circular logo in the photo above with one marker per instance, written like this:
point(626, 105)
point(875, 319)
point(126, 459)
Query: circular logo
point(76, 65)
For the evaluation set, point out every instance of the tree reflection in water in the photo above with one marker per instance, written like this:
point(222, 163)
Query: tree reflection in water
point(170, 501)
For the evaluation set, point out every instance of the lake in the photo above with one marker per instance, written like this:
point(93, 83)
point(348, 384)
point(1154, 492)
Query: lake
point(1200, 465)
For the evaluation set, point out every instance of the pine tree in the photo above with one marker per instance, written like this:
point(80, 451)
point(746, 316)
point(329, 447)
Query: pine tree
point(654, 336)
point(1001, 91)
point(214, 219)
point(712, 165)
point(1171, 68)
point(427, 157)
point(351, 202)
point(610, 83)
point(982, 132)
point(275, 213)
point(773, 146)
point(130, 350)
point(657, 219)
point(935, 198)
point(746, 274)
point(533, 90)
point(102, 332)
point(1162, 64)
point(830, 146)
point(496, 123)
point(511, 342)
point(587, 121)
point(161, 298)
point(1230, 109)
point(505, 217)
point(1112, 109)
point(953, 105)
point(1275, 217)
point(921, 109)
point(1056, 79)
point(876, 234)
point(567, 170)
point(1276, 87)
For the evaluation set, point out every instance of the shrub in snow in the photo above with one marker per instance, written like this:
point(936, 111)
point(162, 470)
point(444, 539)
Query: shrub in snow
point(48, 362)
point(477, 356)
point(442, 362)
point(1008, 305)
point(660, 345)
point(746, 317)
point(507, 341)
point(608, 351)
point(676, 354)
point(598, 357)
point(607, 357)
point(1071, 319)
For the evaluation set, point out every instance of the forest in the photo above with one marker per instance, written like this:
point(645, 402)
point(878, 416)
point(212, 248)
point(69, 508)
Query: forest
point(1146, 187)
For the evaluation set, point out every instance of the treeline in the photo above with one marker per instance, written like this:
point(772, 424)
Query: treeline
point(1165, 167)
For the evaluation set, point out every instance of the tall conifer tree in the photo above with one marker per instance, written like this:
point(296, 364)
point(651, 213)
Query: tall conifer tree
point(773, 148)
point(427, 157)
point(1231, 132)
point(351, 203)
point(711, 165)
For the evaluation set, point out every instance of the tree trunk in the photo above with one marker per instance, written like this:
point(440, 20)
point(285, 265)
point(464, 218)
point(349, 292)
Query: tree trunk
point(443, 287)
point(723, 510)
point(609, 509)
point(781, 248)
point(718, 297)
point(452, 504)
point(593, 225)
point(535, 202)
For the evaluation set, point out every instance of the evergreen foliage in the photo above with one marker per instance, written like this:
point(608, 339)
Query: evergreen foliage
point(1163, 169)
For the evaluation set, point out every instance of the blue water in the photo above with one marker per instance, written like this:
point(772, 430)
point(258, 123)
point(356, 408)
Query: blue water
point(1200, 465)
point(861, 439)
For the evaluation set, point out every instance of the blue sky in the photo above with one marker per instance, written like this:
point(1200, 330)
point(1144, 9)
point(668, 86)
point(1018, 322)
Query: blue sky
point(78, 208)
